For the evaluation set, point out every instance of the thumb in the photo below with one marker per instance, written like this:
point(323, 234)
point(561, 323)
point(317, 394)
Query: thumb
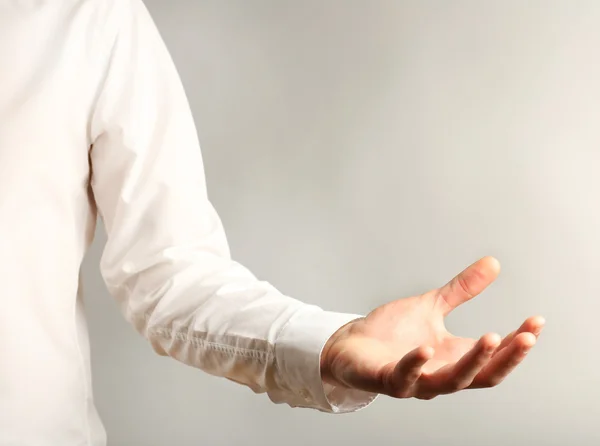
point(469, 283)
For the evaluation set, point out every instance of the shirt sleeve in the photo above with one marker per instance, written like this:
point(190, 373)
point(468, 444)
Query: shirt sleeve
point(167, 260)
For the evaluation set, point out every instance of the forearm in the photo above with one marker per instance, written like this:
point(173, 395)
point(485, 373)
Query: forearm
point(211, 313)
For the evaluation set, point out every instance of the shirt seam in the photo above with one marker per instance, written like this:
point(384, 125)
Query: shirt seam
point(210, 345)
point(197, 341)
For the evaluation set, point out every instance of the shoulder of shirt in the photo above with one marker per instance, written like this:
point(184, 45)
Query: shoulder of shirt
point(107, 19)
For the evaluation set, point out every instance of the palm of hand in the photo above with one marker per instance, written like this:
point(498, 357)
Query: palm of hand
point(403, 348)
point(418, 323)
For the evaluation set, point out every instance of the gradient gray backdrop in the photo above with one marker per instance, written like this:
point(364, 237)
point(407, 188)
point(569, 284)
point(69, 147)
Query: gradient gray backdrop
point(360, 151)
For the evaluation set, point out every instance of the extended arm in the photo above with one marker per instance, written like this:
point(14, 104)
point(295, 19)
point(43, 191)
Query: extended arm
point(167, 260)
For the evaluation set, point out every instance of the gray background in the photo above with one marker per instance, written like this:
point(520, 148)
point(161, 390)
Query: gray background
point(360, 151)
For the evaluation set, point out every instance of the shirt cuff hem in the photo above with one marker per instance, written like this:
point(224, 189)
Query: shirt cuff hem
point(298, 357)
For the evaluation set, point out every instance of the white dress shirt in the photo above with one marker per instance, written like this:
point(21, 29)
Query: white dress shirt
point(94, 120)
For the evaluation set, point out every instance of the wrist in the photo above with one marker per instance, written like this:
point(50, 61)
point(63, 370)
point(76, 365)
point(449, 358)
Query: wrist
point(328, 354)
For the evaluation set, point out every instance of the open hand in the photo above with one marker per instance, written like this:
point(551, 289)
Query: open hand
point(402, 349)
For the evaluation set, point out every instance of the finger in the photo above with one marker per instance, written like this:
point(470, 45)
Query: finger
point(505, 362)
point(469, 283)
point(407, 372)
point(533, 325)
point(460, 375)
point(467, 368)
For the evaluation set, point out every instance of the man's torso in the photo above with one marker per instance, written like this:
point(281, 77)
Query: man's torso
point(49, 76)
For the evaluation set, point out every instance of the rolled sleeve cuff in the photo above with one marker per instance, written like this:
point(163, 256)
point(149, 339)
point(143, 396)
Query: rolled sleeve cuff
point(298, 357)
